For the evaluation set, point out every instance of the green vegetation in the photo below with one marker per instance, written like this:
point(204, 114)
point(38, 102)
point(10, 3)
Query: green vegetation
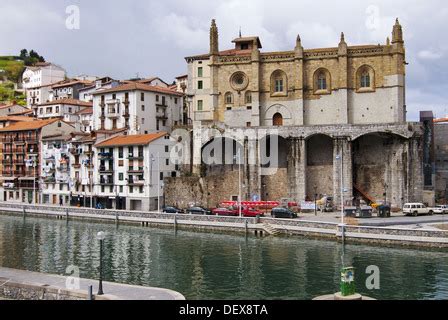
point(30, 58)
point(11, 68)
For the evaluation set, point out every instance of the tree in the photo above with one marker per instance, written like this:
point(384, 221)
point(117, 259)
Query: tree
point(23, 54)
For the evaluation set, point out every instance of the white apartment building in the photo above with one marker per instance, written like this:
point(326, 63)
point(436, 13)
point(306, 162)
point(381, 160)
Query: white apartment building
point(83, 120)
point(81, 173)
point(42, 74)
point(63, 109)
point(86, 93)
point(138, 108)
point(55, 181)
point(37, 81)
point(68, 89)
point(130, 170)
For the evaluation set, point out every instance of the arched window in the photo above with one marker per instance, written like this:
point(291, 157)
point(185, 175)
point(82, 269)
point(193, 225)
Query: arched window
point(229, 98)
point(322, 81)
point(248, 97)
point(277, 119)
point(365, 79)
point(279, 83)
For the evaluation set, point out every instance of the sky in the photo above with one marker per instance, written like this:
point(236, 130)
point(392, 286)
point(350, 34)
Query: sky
point(123, 39)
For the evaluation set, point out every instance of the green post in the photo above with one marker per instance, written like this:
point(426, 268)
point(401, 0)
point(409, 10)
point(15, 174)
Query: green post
point(348, 287)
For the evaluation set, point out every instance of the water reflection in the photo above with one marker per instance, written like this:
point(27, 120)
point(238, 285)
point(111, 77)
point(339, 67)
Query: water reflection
point(216, 266)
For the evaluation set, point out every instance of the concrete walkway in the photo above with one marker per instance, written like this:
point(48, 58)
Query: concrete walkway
point(111, 290)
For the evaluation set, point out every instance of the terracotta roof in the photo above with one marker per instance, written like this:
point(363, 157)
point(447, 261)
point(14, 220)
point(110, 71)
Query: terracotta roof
point(68, 101)
point(88, 110)
point(16, 118)
point(132, 140)
point(4, 106)
point(28, 125)
point(441, 120)
point(21, 113)
point(112, 131)
point(182, 76)
point(138, 86)
point(70, 83)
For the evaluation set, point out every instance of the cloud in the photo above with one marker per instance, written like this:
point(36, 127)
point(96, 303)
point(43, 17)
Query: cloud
point(429, 55)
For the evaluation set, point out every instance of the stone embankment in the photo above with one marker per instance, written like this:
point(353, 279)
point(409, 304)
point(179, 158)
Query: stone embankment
point(257, 225)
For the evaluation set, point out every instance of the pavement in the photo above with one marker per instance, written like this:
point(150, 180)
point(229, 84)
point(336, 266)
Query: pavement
point(113, 290)
point(397, 219)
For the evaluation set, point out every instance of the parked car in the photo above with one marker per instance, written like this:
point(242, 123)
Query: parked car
point(283, 213)
point(416, 209)
point(441, 209)
point(252, 212)
point(172, 209)
point(198, 210)
point(225, 212)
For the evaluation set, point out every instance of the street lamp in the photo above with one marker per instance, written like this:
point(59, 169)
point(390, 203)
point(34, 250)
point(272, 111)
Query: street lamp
point(238, 156)
point(150, 178)
point(339, 158)
point(100, 236)
point(315, 200)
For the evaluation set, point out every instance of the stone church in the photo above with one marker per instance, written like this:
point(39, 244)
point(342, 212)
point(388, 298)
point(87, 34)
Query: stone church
point(334, 117)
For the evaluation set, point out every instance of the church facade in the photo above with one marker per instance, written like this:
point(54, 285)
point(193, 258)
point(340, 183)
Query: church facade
point(337, 116)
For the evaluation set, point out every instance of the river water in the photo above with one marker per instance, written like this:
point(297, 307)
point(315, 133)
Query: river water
point(218, 266)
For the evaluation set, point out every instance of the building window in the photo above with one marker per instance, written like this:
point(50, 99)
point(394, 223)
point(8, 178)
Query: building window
point(161, 175)
point(277, 120)
point(140, 189)
point(167, 162)
point(321, 81)
point(142, 96)
point(248, 124)
point(157, 98)
point(248, 97)
point(175, 100)
point(120, 152)
point(121, 189)
point(200, 105)
point(120, 176)
point(278, 83)
point(229, 98)
point(200, 72)
point(131, 189)
point(143, 120)
point(167, 149)
point(200, 85)
point(114, 96)
point(163, 100)
point(143, 108)
point(365, 77)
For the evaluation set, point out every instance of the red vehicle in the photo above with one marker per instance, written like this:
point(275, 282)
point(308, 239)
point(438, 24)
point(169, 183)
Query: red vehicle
point(233, 211)
point(225, 212)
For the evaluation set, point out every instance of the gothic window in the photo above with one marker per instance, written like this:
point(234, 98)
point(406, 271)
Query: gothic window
point(322, 81)
point(248, 97)
point(365, 79)
point(279, 83)
point(229, 98)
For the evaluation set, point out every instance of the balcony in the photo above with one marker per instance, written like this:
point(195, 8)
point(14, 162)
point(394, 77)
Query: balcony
point(7, 161)
point(75, 151)
point(107, 182)
point(76, 165)
point(103, 169)
point(18, 150)
point(112, 113)
point(9, 185)
point(19, 172)
point(88, 151)
point(7, 139)
point(136, 170)
point(135, 157)
point(161, 115)
point(105, 155)
point(112, 101)
point(49, 180)
point(136, 183)
point(7, 173)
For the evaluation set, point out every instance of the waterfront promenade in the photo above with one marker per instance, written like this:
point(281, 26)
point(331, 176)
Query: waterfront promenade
point(397, 230)
point(19, 284)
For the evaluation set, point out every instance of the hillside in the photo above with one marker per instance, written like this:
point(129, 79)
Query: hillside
point(11, 69)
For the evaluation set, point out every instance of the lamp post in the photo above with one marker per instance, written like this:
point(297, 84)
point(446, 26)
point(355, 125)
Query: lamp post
point(158, 182)
point(315, 200)
point(150, 178)
point(238, 158)
point(339, 158)
point(100, 236)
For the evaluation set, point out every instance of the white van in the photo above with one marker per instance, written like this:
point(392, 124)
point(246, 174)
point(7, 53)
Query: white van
point(417, 208)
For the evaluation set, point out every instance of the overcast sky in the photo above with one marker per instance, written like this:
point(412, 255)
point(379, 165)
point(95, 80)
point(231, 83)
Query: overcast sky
point(123, 38)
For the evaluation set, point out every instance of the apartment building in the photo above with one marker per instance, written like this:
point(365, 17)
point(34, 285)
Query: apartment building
point(21, 149)
point(86, 93)
point(55, 170)
point(68, 89)
point(64, 109)
point(137, 108)
point(6, 110)
point(130, 170)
